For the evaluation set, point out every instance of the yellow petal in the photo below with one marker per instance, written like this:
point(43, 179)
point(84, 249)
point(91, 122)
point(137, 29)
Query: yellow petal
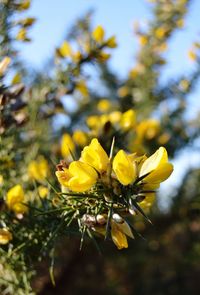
point(95, 156)
point(4, 65)
point(65, 49)
point(111, 42)
point(124, 168)
point(5, 236)
point(43, 191)
point(80, 137)
point(38, 169)
point(67, 145)
point(63, 176)
point(83, 176)
point(128, 120)
point(98, 34)
point(118, 237)
point(14, 199)
point(122, 225)
point(157, 166)
point(148, 201)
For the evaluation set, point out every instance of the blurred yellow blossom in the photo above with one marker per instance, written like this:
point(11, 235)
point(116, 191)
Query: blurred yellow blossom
point(16, 79)
point(81, 86)
point(103, 56)
point(143, 40)
point(148, 201)
point(15, 198)
point(115, 117)
point(98, 34)
point(104, 105)
point(80, 138)
point(128, 120)
point(111, 42)
point(24, 5)
point(38, 169)
point(147, 129)
point(5, 236)
point(65, 49)
point(192, 55)
point(67, 145)
point(123, 91)
point(1, 180)
point(184, 84)
point(43, 191)
point(4, 65)
point(92, 121)
point(164, 138)
point(22, 35)
point(160, 32)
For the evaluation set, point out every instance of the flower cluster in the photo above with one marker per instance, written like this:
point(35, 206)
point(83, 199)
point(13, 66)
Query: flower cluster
point(110, 189)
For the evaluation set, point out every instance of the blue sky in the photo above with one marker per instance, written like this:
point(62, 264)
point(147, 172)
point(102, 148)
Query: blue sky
point(54, 17)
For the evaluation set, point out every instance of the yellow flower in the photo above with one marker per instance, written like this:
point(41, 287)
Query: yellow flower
point(24, 5)
point(111, 42)
point(43, 191)
point(128, 120)
point(16, 79)
point(147, 129)
point(143, 40)
point(76, 56)
point(184, 84)
point(27, 22)
point(123, 91)
point(192, 55)
point(95, 156)
point(1, 180)
point(103, 105)
point(63, 176)
point(5, 236)
point(4, 64)
point(157, 167)
point(67, 145)
point(118, 237)
point(124, 168)
point(22, 35)
point(148, 201)
point(119, 230)
point(38, 169)
point(65, 49)
point(93, 122)
point(81, 86)
point(14, 199)
point(98, 34)
point(115, 117)
point(79, 177)
point(160, 33)
point(83, 176)
point(103, 56)
point(164, 138)
point(180, 23)
point(80, 137)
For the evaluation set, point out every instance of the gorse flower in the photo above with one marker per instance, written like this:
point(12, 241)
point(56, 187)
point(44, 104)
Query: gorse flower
point(5, 236)
point(15, 198)
point(124, 168)
point(107, 189)
point(95, 156)
point(38, 169)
